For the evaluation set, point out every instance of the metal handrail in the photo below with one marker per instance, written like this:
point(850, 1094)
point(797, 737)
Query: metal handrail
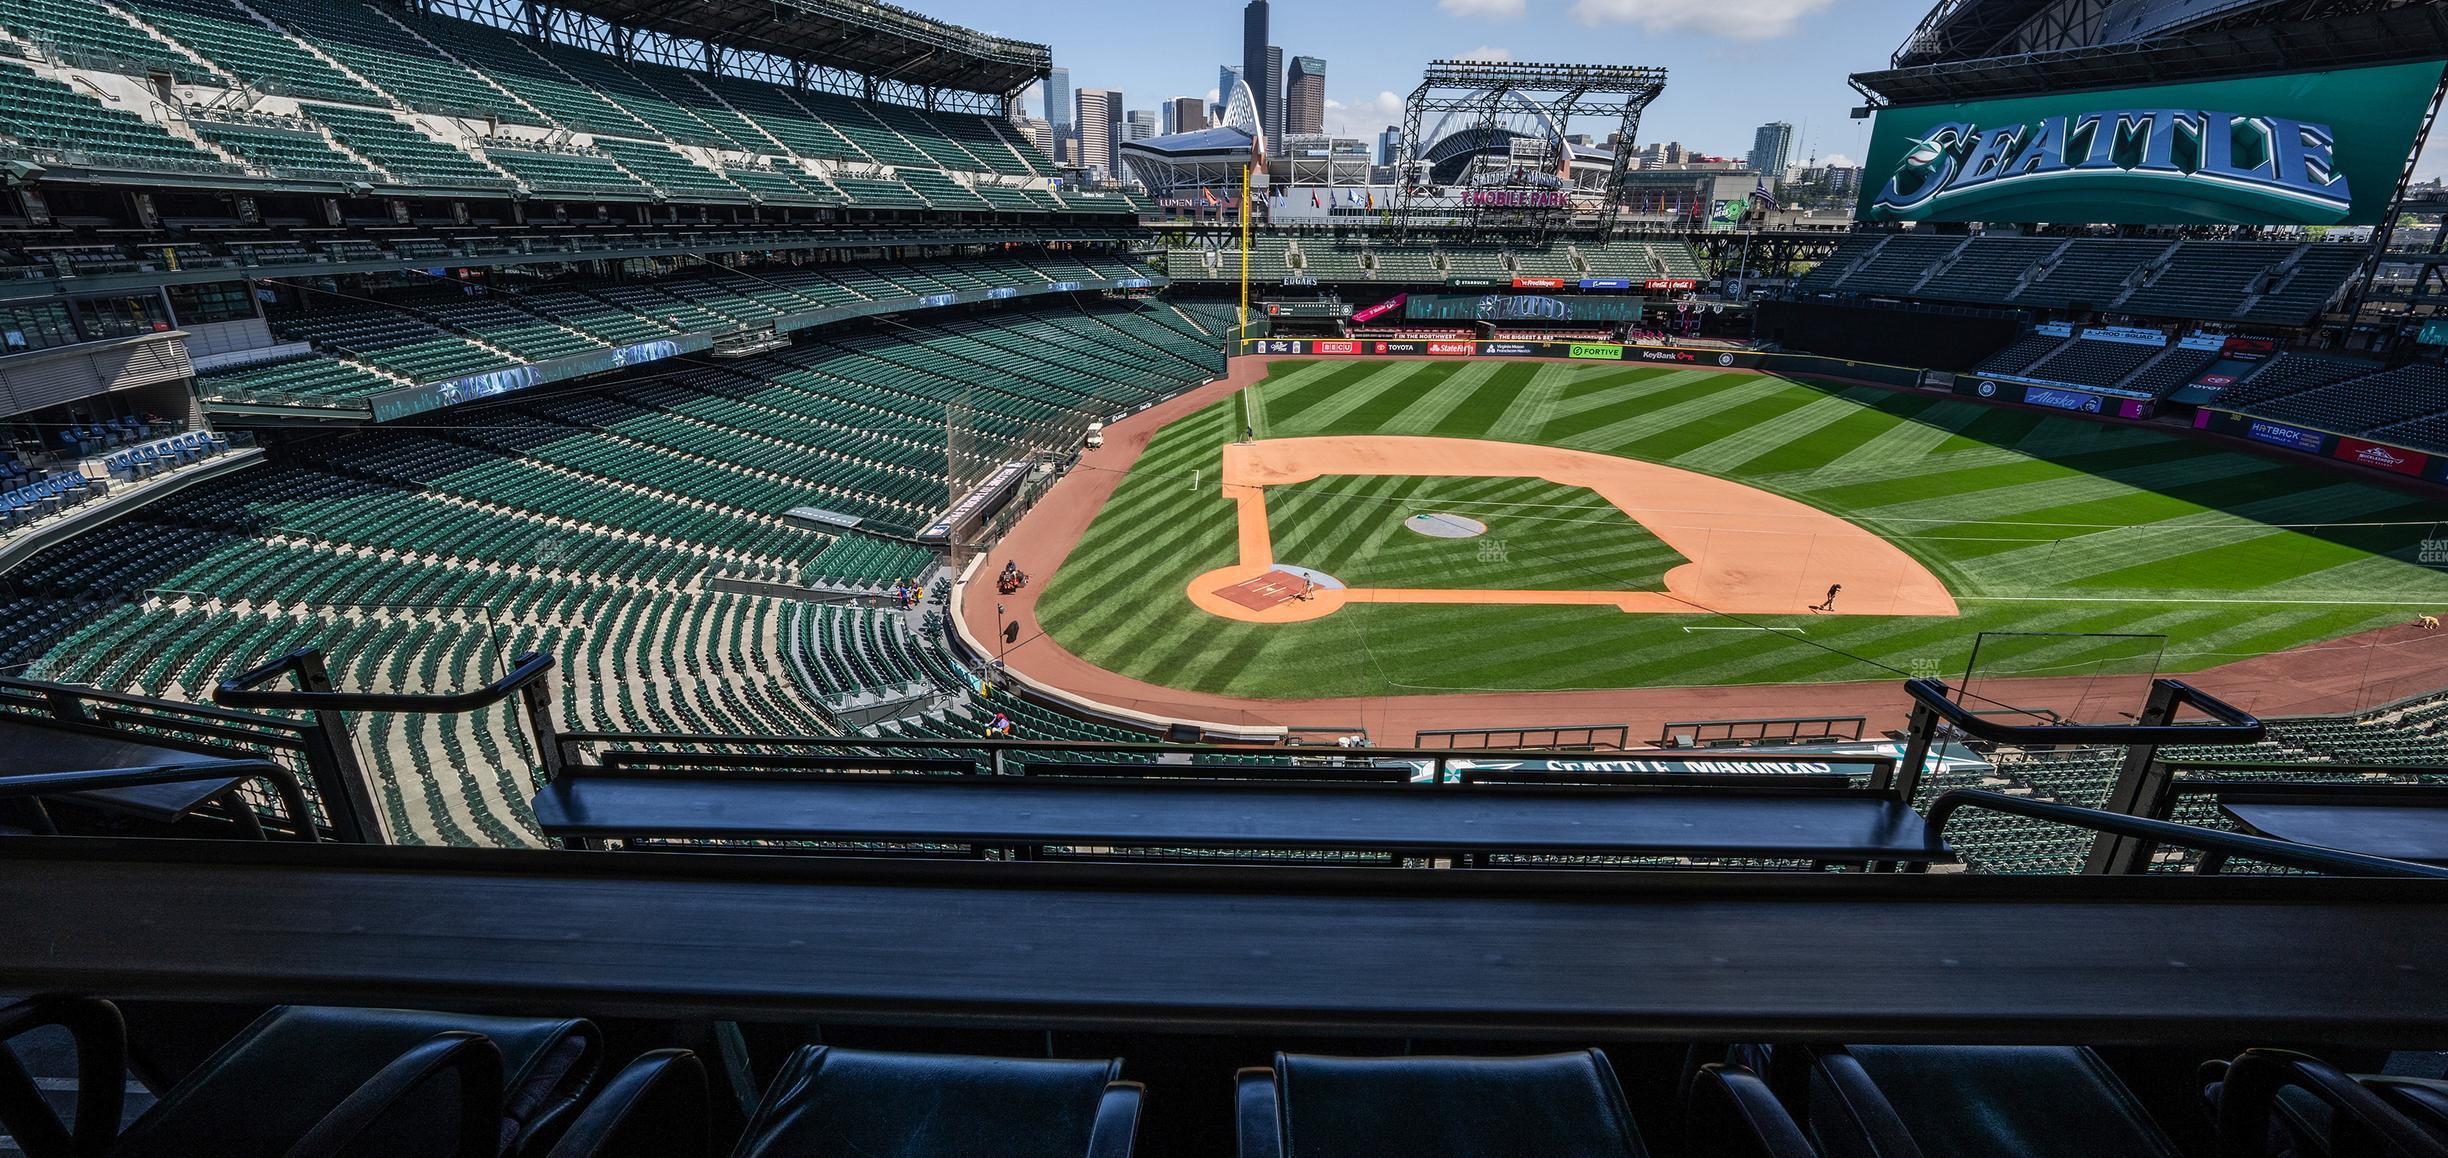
point(246, 690)
point(284, 784)
point(2231, 724)
point(2311, 858)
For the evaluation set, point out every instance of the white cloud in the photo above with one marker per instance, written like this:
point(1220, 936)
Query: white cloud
point(1838, 161)
point(1488, 9)
point(1487, 52)
point(1736, 19)
point(1365, 119)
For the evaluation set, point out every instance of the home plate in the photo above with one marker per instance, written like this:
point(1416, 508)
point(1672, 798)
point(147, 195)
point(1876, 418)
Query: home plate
point(1276, 588)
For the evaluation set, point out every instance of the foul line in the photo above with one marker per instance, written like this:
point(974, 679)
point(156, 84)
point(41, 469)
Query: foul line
point(1795, 630)
point(2409, 602)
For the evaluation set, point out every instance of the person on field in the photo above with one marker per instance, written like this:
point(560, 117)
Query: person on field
point(1829, 604)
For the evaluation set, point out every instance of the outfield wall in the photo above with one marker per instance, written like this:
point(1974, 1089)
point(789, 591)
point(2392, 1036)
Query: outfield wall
point(2328, 446)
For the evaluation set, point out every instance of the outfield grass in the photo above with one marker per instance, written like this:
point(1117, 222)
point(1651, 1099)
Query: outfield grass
point(2036, 523)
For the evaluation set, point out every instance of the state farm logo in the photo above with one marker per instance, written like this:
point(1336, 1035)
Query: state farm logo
point(1450, 347)
point(2380, 456)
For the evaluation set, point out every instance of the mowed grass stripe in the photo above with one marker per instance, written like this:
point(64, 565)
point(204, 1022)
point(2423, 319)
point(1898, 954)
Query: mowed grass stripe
point(1284, 408)
point(1395, 381)
point(1637, 410)
point(1730, 452)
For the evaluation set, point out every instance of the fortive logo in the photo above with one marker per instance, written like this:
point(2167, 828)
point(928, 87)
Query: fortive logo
point(1452, 348)
point(2253, 167)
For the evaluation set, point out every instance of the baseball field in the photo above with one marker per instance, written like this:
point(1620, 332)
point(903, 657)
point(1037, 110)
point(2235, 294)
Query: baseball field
point(1419, 527)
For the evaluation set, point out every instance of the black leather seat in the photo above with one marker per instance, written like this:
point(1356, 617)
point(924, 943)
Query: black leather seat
point(843, 1103)
point(1950, 1101)
point(341, 1079)
point(1555, 1106)
point(2279, 1104)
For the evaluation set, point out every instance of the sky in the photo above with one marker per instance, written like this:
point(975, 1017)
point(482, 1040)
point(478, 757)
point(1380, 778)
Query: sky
point(1732, 65)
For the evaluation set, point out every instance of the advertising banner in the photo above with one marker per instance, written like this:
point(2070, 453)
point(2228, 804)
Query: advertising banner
point(2378, 457)
point(2280, 434)
point(1453, 349)
point(1595, 351)
point(1519, 308)
point(1325, 347)
point(1606, 283)
point(1510, 349)
point(2434, 333)
point(1669, 284)
point(2315, 148)
point(1538, 283)
point(2129, 335)
point(1381, 309)
point(2056, 399)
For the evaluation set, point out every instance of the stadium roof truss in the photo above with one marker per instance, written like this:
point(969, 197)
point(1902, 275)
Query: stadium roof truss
point(855, 47)
point(1948, 63)
point(1478, 98)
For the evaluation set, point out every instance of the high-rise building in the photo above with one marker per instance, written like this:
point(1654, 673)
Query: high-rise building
point(1772, 148)
point(1184, 114)
point(1389, 145)
point(1138, 125)
point(1273, 98)
point(1305, 96)
point(1227, 77)
point(1255, 70)
point(1099, 123)
point(1058, 97)
point(1657, 153)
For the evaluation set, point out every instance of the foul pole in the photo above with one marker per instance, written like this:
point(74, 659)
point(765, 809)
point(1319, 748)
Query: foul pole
point(1245, 250)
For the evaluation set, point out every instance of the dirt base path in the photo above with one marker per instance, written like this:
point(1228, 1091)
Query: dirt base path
point(2339, 676)
point(1750, 552)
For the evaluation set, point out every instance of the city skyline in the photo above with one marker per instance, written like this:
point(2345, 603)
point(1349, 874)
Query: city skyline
point(1378, 50)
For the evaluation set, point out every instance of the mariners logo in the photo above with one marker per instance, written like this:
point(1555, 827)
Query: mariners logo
point(2106, 165)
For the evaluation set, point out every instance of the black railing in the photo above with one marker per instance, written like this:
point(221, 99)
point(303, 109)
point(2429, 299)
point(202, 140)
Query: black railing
point(351, 804)
point(2209, 841)
point(2141, 778)
point(306, 773)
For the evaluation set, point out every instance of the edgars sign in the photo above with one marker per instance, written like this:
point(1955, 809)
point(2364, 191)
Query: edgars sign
point(2301, 149)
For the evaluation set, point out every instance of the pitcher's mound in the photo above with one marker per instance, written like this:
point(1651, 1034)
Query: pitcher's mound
point(1439, 525)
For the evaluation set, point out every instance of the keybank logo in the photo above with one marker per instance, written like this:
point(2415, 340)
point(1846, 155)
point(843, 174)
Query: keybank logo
point(2243, 167)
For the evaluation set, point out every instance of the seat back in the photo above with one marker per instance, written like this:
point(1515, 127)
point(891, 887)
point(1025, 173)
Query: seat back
point(838, 1103)
point(261, 1092)
point(2035, 1101)
point(1557, 1105)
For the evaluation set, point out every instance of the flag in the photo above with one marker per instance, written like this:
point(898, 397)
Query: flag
point(1313, 200)
point(1761, 197)
point(1209, 195)
point(1372, 199)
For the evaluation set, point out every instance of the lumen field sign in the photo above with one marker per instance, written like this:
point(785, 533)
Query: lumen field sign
point(2315, 148)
